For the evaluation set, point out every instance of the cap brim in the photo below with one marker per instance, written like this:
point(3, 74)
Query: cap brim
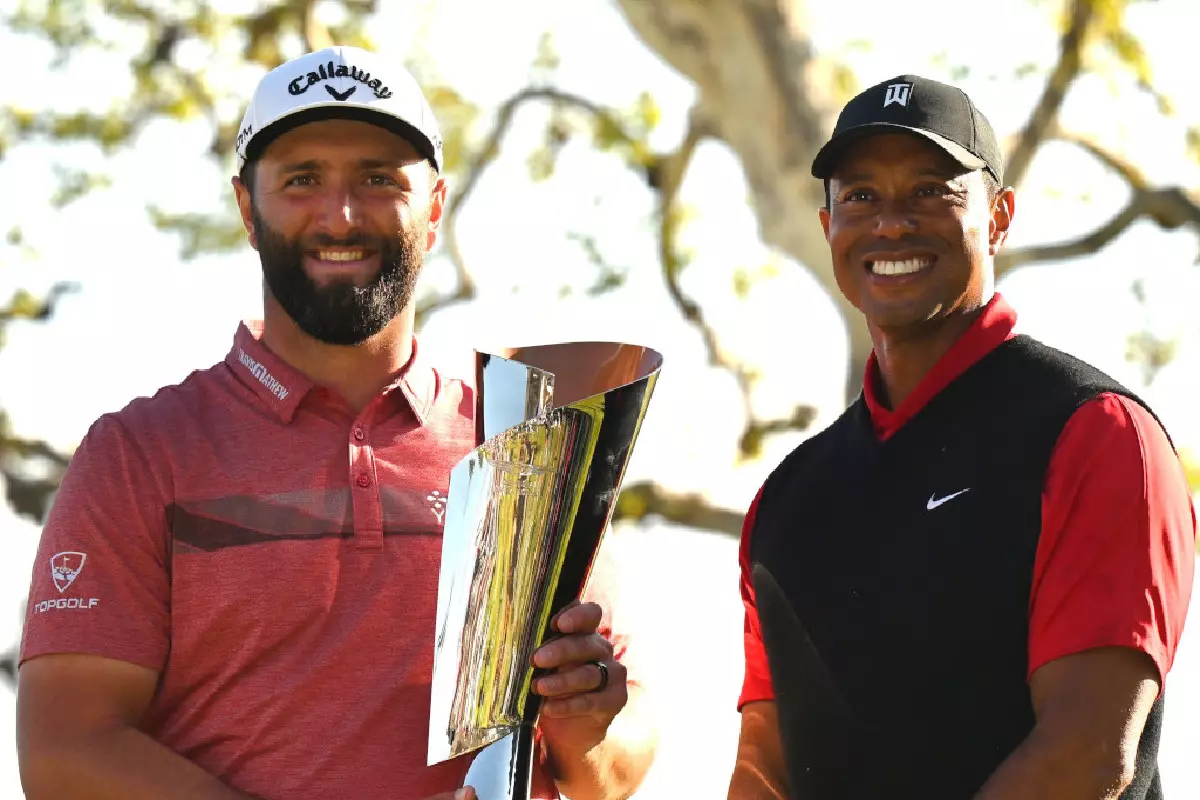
point(334, 110)
point(828, 156)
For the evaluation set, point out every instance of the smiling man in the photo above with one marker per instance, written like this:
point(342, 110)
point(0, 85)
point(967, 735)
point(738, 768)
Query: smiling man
point(235, 592)
point(971, 584)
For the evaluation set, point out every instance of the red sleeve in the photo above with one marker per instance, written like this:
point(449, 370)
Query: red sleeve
point(1115, 560)
point(756, 685)
point(100, 582)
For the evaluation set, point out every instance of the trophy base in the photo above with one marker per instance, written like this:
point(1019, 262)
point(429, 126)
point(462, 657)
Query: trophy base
point(504, 769)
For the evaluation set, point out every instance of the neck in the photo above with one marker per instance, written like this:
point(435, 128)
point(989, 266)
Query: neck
point(359, 372)
point(906, 356)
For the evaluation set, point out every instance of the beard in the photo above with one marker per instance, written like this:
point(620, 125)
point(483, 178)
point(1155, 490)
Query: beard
point(341, 313)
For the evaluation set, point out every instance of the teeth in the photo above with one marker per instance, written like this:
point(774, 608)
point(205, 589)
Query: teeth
point(899, 267)
point(341, 255)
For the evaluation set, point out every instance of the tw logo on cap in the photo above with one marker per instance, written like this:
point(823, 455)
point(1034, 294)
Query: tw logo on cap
point(65, 568)
point(897, 93)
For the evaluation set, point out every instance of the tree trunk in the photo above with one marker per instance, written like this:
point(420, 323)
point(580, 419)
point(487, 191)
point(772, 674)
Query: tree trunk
point(762, 91)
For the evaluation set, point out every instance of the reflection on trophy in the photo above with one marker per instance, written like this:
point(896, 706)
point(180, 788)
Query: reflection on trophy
point(528, 507)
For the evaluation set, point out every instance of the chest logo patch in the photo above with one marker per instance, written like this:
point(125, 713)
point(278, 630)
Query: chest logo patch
point(935, 501)
point(437, 504)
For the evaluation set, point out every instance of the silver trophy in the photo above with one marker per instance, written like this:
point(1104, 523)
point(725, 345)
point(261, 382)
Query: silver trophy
point(528, 507)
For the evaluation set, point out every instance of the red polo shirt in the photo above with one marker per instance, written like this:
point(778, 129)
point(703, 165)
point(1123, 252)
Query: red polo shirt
point(274, 557)
point(1116, 555)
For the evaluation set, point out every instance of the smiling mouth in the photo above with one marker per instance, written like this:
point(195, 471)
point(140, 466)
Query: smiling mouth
point(907, 266)
point(339, 255)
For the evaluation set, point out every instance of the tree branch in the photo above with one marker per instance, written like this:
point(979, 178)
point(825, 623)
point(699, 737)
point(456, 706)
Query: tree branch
point(26, 449)
point(641, 500)
point(664, 173)
point(1132, 175)
point(24, 306)
point(486, 154)
point(316, 34)
point(670, 170)
point(1074, 248)
point(29, 498)
point(1045, 112)
point(1169, 208)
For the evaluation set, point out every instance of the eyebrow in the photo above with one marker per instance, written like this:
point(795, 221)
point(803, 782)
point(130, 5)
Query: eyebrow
point(928, 172)
point(313, 165)
point(300, 166)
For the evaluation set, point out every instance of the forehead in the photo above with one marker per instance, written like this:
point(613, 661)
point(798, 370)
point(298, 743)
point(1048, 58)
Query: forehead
point(340, 140)
point(895, 153)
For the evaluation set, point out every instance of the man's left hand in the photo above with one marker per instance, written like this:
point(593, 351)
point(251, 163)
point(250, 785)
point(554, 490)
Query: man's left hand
point(584, 688)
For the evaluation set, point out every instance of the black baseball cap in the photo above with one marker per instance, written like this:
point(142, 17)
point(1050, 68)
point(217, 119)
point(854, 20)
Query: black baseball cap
point(943, 114)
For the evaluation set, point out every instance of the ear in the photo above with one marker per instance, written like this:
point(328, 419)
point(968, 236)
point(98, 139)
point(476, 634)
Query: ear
point(245, 209)
point(437, 207)
point(823, 214)
point(1003, 209)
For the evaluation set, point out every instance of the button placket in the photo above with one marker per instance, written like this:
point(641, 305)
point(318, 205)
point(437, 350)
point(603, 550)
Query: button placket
point(365, 497)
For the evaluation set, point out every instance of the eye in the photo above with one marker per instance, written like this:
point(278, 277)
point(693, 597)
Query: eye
point(301, 180)
point(856, 195)
point(933, 190)
point(380, 179)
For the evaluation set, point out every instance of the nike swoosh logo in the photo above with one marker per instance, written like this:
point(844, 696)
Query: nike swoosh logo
point(934, 503)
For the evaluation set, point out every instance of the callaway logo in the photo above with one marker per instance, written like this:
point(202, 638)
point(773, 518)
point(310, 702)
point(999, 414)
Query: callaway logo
point(933, 502)
point(65, 568)
point(326, 72)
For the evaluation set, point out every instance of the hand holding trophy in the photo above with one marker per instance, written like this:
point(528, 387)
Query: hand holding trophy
point(528, 507)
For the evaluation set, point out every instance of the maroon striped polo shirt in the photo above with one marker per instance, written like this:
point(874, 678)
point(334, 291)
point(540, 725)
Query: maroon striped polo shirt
point(274, 556)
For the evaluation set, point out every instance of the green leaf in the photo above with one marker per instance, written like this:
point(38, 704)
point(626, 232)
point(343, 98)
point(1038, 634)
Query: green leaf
point(74, 184)
point(742, 283)
point(647, 113)
point(201, 233)
point(1192, 138)
point(541, 162)
point(607, 132)
point(456, 117)
point(547, 60)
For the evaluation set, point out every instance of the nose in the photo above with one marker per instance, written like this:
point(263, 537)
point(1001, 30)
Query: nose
point(895, 219)
point(341, 212)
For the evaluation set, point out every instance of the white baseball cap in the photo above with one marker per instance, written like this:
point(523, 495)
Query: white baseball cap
point(338, 83)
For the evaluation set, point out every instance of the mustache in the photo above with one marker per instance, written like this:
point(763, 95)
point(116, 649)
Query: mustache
point(321, 240)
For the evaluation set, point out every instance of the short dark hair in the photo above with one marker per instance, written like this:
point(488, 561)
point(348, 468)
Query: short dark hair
point(990, 185)
point(247, 176)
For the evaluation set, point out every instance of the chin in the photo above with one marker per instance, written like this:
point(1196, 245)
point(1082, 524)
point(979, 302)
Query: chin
point(889, 315)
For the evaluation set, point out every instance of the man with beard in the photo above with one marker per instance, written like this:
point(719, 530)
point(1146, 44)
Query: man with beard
point(236, 588)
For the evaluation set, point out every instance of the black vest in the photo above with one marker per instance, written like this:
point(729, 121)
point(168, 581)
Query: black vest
point(896, 626)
